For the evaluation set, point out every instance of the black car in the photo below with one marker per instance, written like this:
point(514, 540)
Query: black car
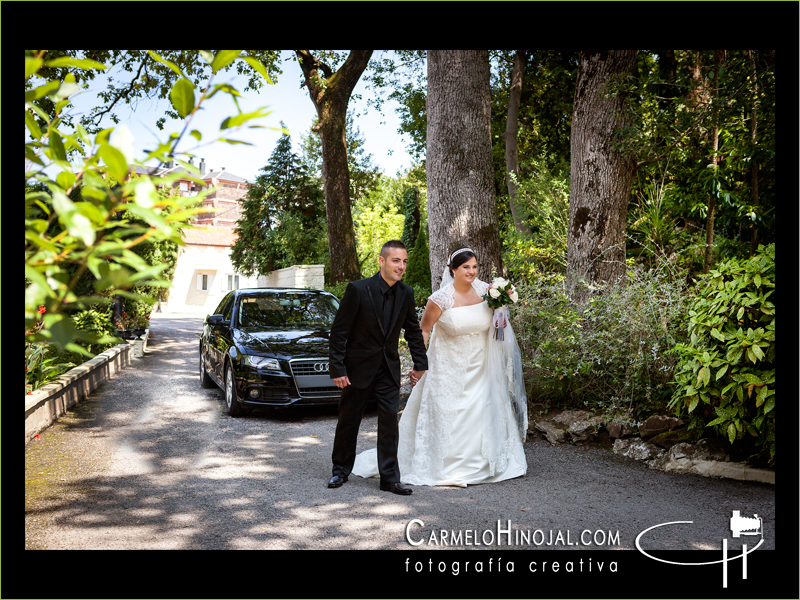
point(269, 347)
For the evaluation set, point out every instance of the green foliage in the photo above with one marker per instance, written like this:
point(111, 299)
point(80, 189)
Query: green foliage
point(364, 174)
point(75, 224)
point(611, 353)
point(156, 74)
point(418, 272)
point(377, 219)
point(726, 376)
point(544, 199)
point(673, 106)
point(99, 322)
point(40, 368)
point(283, 221)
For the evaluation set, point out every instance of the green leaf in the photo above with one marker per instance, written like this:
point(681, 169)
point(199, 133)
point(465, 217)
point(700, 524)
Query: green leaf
point(57, 151)
point(740, 314)
point(32, 65)
point(196, 134)
point(762, 395)
point(223, 59)
point(703, 376)
point(80, 63)
point(65, 179)
point(227, 141)
point(244, 117)
point(693, 403)
point(721, 372)
point(770, 405)
point(731, 433)
point(182, 96)
point(757, 280)
point(757, 351)
point(164, 61)
point(716, 333)
point(61, 328)
point(257, 66)
point(42, 91)
point(32, 126)
point(115, 161)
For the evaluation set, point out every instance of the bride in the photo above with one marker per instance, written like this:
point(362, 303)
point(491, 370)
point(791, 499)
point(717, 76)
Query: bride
point(466, 418)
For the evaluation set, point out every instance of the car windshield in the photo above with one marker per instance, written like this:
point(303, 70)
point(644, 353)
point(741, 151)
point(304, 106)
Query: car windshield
point(293, 310)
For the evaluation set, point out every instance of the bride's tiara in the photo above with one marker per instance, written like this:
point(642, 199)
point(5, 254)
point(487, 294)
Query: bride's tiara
point(457, 252)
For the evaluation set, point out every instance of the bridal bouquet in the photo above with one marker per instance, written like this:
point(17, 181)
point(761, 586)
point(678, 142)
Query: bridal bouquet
point(500, 294)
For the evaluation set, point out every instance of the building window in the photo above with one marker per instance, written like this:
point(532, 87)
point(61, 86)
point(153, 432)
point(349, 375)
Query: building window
point(204, 281)
point(233, 282)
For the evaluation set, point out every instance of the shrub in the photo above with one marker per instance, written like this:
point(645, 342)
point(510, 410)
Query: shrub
point(418, 272)
point(726, 375)
point(610, 353)
point(40, 367)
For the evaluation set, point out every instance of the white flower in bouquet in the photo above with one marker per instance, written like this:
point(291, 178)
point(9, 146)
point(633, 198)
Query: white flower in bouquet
point(494, 293)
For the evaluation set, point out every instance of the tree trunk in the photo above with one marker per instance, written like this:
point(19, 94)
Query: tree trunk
point(330, 93)
point(718, 59)
point(510, 137)
point(461, 199)
point(601, 178)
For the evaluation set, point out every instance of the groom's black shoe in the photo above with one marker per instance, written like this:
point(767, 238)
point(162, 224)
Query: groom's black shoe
point(395, 488)
point(337, 481)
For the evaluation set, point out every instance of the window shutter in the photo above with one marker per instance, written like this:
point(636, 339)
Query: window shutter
point(199, 282)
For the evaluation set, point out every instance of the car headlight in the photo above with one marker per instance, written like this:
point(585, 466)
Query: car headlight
point(262, 361)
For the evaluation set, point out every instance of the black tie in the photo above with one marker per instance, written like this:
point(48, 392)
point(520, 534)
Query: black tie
point(388, 306)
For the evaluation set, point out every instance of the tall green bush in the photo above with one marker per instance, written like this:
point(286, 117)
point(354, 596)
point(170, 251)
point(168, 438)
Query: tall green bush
point(726, 375)
point(610, 353)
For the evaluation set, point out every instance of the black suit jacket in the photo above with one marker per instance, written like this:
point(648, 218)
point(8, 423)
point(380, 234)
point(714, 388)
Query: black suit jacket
point(358, 342)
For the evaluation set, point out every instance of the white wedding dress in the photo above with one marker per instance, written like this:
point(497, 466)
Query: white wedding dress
point(465, 420)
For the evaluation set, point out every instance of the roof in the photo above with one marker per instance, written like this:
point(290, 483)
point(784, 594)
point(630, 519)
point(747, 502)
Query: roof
point(161, 172)
point(210, 236)
point(224, 176)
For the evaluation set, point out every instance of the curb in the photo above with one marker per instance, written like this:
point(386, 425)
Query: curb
point(48, 403)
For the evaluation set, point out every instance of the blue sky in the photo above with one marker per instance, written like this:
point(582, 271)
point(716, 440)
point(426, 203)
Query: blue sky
point(289, 102)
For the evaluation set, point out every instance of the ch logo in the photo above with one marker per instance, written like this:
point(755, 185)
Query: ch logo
point(321, 367)
point(739, 526)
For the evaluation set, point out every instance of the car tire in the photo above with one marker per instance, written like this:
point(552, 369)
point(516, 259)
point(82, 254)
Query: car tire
point(205, 380)
point(231, 397)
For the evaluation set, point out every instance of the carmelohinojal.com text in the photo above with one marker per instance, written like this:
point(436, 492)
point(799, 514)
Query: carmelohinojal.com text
point(507, 536)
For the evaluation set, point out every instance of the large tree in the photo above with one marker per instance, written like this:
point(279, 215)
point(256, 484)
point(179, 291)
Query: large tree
point(461, 196)
point(283, 216)
point(510, 138)
point(330, 93)
point(601, 176)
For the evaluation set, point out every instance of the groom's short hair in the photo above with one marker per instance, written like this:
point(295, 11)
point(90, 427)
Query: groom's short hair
point(391, 244)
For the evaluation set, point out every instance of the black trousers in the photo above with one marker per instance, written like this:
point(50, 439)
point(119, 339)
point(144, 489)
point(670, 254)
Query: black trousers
point(351, 410)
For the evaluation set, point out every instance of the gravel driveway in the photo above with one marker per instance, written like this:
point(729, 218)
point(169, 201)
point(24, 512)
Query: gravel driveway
point(152, 461)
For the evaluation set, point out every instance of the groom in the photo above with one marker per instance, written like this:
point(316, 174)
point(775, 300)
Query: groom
point(364, 362)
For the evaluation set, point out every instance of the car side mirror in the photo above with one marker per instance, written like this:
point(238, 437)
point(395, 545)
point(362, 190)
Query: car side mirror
point(217, 320)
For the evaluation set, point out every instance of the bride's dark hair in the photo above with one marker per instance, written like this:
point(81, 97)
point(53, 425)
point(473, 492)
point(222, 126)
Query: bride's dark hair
point(459, 259)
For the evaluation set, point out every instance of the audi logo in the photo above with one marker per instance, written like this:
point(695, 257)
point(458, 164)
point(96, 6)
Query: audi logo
point(321, 367)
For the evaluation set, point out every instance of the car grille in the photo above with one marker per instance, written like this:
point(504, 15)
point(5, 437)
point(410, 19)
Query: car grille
point(321, 392)
point(310, 367)
point(312, 378)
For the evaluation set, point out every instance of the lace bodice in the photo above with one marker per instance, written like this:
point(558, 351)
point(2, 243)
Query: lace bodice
point(443, 297)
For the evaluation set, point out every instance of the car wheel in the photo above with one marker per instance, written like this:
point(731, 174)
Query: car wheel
point(231, 398)
point(205, 380)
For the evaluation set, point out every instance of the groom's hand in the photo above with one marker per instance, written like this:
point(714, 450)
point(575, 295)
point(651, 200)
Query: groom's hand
point(341, 382)
point(415, 376)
